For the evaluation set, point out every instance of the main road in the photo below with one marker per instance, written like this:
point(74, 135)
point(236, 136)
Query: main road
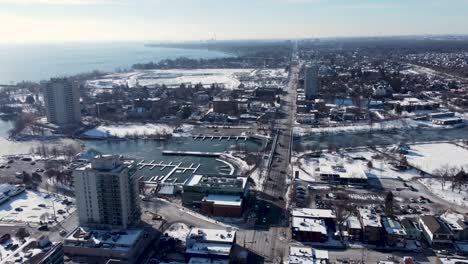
point(272, 244)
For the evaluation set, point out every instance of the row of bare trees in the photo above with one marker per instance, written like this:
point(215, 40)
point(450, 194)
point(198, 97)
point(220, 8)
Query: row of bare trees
point(456, 176)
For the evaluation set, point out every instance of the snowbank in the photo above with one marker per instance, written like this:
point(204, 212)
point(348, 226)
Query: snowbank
point(123, 131)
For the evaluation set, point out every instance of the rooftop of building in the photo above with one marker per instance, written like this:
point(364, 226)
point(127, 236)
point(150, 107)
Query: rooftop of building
point(212, 235)
point(107, 163)
point(344, 169)
point(202, 248)
point(219, 181)
point(434, 224)
point(114, 239)
point(393, 226)
point(369, 218)
point(353, 223)
point(313, 213)
point(309, 225)
point(307, 255)
point(229, 200)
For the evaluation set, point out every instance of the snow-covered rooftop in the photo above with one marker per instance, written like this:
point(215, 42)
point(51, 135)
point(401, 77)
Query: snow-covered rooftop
point(84, 236)
point(306, 255)
point(309, 225)
point(212, 235)
point(369, 218)
point(313, 213)
point(392, 226)
point(217, 199)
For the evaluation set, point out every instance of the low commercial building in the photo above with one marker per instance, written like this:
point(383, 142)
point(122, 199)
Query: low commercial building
point(210, 243)
point(435, 232)
point(457, 224)
point(307, 255)
point(345, 173)
point(309, 229)
point(125, 246)
point(395, 234)
point(411, 226)
point(222, 205)
point(372, 227)
point(199, 188)
point(353, 228)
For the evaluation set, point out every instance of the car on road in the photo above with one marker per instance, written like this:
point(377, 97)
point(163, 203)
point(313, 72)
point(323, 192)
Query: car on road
point(4, 238)
point(43, 228)
point(60, 211)
point(18, 209)
point(63, 233)
point(14, 247)
point(156, 217)
point(42, 205)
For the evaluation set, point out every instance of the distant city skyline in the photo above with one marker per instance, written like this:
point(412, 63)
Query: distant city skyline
point(181, 20)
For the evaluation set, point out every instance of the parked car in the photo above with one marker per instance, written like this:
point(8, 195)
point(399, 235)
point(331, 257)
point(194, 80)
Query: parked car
point(4, 238)
point(18, 209)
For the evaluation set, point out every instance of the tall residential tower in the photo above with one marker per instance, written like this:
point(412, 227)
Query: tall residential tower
point(62, 102)
point(106, 193)
point(311, 81)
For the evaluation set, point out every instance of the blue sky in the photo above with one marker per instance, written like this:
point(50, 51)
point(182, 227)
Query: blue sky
point(162, 20)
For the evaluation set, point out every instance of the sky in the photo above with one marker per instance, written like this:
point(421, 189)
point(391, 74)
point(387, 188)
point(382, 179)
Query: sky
point(25, 21)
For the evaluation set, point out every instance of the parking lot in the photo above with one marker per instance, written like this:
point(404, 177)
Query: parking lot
point(33, 207)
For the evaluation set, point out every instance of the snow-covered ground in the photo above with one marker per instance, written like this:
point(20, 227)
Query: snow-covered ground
point(446, 193)
point(122, 131)
point(381, 168)
point(229, 78)
point(406, 123)
point(31, 212)
point(340, 128)
point(430, 157)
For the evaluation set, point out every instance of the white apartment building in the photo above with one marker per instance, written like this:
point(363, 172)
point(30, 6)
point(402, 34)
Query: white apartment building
point(107, 193)
point(62, 102)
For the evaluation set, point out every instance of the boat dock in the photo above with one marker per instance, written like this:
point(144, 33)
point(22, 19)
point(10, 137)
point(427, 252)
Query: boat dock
point(220, 138)
point(191, 153)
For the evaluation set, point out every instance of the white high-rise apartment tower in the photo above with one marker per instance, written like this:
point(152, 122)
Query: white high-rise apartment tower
point(62, 102)
point(107, 194)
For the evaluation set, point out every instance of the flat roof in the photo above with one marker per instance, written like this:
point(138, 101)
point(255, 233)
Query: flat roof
point(343, 169)
point(220, 249)
point(392, 226)
point(353, 223)
point(313, 213)
point(212, 235)
point(306, 255)
point(87, 237)
point(309, 225)
point(369, 218)
point(218, 199)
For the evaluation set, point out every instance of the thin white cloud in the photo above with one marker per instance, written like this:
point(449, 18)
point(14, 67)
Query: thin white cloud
point(61, 2)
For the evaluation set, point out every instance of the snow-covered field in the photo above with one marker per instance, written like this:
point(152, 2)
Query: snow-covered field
point(340, 128)
point(229, 78)
point(29, 202)
point(430, 157)
point(122, 131)
point(456, 197)
point(405, 123)
point(381, 168)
